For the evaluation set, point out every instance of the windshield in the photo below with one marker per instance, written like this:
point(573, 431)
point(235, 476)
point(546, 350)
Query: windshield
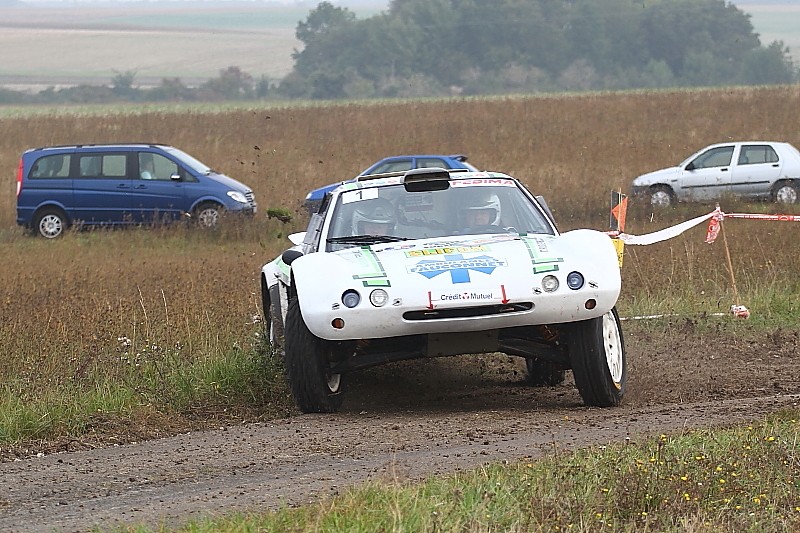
point(469, 207)
point(198, 167)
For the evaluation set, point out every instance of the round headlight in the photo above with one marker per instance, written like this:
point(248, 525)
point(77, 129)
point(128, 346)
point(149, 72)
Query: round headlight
point(550, 283)
point(378, 297)
point(575, 280)
point(351, 298)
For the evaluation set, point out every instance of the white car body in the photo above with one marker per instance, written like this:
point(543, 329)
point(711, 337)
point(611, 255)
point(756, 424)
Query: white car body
point(440, 293)
point(748, 169)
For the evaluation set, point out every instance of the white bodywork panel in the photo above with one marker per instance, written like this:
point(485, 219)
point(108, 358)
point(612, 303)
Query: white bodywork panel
point(457, 272)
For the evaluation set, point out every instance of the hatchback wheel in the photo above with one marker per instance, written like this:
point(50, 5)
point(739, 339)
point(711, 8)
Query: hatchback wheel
point(661, 196)
point(786, 193)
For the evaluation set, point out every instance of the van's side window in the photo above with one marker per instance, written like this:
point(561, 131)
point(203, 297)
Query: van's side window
point(51, 166)
point(115, 166)
point(106, 165)
point(156, 167)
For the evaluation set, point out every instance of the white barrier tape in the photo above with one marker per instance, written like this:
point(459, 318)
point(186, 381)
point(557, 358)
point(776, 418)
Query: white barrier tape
point(713, 229)
point(666, 233)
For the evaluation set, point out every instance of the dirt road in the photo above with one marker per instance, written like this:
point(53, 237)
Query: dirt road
point(403, 421)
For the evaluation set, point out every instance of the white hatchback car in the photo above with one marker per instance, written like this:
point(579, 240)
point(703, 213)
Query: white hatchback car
point(749, 169)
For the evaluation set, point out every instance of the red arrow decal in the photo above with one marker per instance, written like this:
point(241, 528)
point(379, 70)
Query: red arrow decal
point(430, 300)
point(504, 300)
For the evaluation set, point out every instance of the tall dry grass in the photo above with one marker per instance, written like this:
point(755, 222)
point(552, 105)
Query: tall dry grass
point(572, 149)
point(113, 303)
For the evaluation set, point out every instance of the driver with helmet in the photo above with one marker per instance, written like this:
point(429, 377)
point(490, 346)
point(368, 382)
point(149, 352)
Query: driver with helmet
point(480, 211)
point(374, 217)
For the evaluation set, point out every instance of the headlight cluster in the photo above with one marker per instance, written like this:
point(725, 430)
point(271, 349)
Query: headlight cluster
point(351, 298)
point(575, 281)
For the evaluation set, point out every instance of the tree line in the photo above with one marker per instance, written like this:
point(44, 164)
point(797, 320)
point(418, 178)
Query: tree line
point(475, 47)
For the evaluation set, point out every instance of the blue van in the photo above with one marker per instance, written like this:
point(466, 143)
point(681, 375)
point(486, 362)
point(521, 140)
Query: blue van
point(116, 184)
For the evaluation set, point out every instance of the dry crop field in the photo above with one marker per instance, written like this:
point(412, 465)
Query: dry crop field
point(94, 310)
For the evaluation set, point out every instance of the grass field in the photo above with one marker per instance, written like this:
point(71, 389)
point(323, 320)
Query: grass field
point(47, 46)
point(168, 318)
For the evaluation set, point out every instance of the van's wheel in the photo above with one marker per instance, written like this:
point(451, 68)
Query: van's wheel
point(308, 366)
point(597, 355)
point(543, 373)
point(50, 223)
point(208, 214)
point(661, 196)
point(786, 192)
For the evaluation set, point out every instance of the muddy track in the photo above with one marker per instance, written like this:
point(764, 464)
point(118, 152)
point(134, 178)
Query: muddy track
point(402, 421)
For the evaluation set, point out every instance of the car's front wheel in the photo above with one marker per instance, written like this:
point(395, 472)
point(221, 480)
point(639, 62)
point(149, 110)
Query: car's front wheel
point(786, 192)
point(50, 223)
point(308, 366)
point(597, 355)
point(661, 196)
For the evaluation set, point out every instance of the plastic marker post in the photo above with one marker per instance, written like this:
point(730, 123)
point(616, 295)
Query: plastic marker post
point(619, 209)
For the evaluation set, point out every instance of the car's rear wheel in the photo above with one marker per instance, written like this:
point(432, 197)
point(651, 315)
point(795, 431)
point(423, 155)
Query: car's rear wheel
point(597, 355)
point(661, 196)
point(786, 192)
point(308, 366)
point(50, 223)
point(543, 373)
point(273, 323)
point(208, 214)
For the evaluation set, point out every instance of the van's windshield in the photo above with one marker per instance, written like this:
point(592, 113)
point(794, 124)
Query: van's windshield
point(188, 161)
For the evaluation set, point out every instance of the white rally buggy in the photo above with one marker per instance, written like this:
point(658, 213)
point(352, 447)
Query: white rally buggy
point(433, 263)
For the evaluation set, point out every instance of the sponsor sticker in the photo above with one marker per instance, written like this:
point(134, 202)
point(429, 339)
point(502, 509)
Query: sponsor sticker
point(359, 195)
point(483, 182)
point(458, 266)
point(445, 250)
point(471, 295)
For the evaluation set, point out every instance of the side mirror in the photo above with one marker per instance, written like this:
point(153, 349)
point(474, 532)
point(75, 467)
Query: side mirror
point(543, 203)
point(297, 238)
point(690, 166)
point(290, 255)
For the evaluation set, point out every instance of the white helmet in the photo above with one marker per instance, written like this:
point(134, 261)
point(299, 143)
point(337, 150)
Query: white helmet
point(480, 202)
point(377, 211)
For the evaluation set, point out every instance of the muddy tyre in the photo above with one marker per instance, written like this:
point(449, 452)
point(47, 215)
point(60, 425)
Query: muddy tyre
point(273, 321)
point(661, 196)
point(786, 192)
point(314, 387)
point(543, 374)
point(597, 355)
